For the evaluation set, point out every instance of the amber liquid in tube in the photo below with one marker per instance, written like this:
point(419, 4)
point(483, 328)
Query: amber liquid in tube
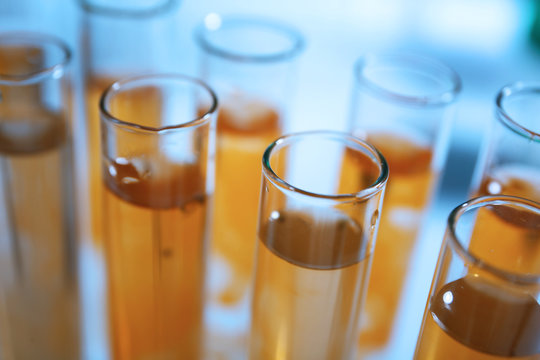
point(478, 316)
point(515, 180)
point(155, 222)
point(94, 89)
point(143, 105)
point(309, 286)
point(245, 128)
point(39, 303)
point(38, 276)
point(408, 193)
point(509, 250)
point(470, 318)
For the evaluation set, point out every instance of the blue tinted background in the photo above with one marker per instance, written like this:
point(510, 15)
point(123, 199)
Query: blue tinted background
point(488, 42)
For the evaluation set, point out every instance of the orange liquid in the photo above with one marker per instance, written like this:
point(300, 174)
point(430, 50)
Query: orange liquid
point(408, 192)
point(516, 251)
point(155, 226)
point(512, 180)
point(94, 89)
point(472, 318)
point(245, 129)
point(309, 285)
point(38, 273)
point(479, 317)
point(142, 105)
point(18, 60)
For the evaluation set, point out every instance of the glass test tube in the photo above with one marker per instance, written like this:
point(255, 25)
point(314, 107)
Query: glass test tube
point(250, 62)
point(483, 303)
point(510, 163)
point(118, 39)
point(316, 234)
point(158, 179)
point(39, 300)
point(403, 104)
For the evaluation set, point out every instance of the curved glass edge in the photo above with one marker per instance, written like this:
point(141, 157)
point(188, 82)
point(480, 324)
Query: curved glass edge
point(118, 85)
point(377, 187)
point(218, 21)
point(513, 89)
point(134, 12)
point(468, 257)
point(39, 40)
point(415, 62)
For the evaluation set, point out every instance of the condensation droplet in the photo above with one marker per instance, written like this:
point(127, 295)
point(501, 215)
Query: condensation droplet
point(112, 171)
point(212, 21)
point(122, 161)
point(448, 298)
point(130, 180)
point(57, 73)
point(146, 174)
point(494, 188)
point(191, 205)
point(166, 252)
point(374, 218)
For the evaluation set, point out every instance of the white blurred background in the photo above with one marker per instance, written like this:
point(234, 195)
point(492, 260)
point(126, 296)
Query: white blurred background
point(486, 41)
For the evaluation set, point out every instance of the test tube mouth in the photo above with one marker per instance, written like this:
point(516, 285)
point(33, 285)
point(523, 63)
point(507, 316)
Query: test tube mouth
point(128, 8)
point(249, 39)
point(376, 187)
point(128, 84)
point(51, 62)
point(457, 243)
point(519, 88)
point(435, 83)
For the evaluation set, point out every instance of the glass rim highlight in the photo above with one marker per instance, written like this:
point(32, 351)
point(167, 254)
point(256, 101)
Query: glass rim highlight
point(114, 88)
point(410, 61)
point(468, 257)
point(148, 11)
point(377, 186)
point(513, 89)
point(39, 40)
point(219, 22)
